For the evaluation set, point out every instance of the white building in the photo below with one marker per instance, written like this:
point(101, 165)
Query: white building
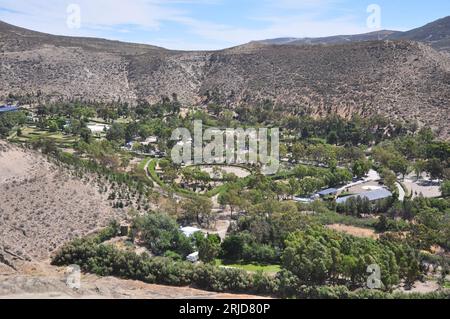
point(150, 140)
point(189, 231)
point(98, 128)
point(193, 258)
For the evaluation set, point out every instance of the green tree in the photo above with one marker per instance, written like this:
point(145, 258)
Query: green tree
point(116, 133)
point(419, 167)
point(389, 178)
point(209, 248)
point(435, 168)
point(332, 138)
point(399, 165)
point(361, 168)
point(160, 233)
point(199, 208)
point(445, 188)
point(232, 198)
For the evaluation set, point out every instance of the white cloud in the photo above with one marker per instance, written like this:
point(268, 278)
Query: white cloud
point(288, 26)
point(51, 15)
point(118, 19)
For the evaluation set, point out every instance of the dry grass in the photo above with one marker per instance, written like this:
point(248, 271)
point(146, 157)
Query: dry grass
point(354, 231)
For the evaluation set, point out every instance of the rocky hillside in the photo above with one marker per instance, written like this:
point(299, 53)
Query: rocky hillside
point(338, 39)
point(43, 206)
point(400, 79)
point(436, 34)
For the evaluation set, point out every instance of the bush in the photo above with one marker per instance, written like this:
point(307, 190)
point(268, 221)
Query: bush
point(209, 277)
point(445, 188)
point(105, 260)
point(161, 233)
point(242, 247)
point(208, 248)
point(109, 232)
point(319, 255)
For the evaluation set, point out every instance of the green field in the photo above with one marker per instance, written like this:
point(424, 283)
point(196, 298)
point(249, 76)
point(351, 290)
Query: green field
point(30, 133)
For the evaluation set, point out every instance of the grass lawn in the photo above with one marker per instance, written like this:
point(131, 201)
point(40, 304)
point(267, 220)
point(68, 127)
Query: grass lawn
point(29, 133)
point(272, 269)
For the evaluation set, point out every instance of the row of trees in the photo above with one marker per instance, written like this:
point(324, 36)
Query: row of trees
point(313, 256)
point(420, 153)
point(319, 256)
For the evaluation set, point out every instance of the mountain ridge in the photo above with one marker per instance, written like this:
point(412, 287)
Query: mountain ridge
point(436, 34)
point(396, 78)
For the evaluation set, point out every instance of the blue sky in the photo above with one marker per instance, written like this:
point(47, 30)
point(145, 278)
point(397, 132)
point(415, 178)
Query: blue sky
point(215, 24)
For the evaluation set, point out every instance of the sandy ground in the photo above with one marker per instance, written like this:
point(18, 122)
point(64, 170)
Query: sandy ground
point(40, 281)
point(422, 186)
point(239, 172)
point(421, 287)
point(354, 231)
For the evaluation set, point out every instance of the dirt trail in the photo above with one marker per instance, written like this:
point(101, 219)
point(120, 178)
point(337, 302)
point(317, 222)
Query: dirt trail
point(41, 281)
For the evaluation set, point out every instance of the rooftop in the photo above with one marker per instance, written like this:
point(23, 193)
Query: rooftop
point(326, 192)
point(189, 231)
point(373, 195)
point(7, 108)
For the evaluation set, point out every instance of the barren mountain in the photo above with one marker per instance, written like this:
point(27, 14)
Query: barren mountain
point(42, 206)
point(338, 39)
point(399, 79)
point(436, 34)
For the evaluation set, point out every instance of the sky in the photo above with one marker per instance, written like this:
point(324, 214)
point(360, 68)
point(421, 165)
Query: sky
point(217, 24)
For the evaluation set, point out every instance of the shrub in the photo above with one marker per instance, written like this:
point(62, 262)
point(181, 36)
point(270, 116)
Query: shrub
point(160, 233)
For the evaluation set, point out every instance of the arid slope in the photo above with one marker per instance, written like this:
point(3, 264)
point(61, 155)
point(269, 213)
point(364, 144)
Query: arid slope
point(399, 79)
point(42, 206)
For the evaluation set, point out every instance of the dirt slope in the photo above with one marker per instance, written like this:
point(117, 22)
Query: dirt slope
point(42, 206)
point(40, 281)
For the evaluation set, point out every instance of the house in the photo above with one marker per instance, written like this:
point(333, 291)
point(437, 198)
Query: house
point(98, 128)
point(150, 140)
point(303, 200)
point(372, 196)
point(189, 231)
point(327, 192)
point(193, 258)
point(8, 108)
